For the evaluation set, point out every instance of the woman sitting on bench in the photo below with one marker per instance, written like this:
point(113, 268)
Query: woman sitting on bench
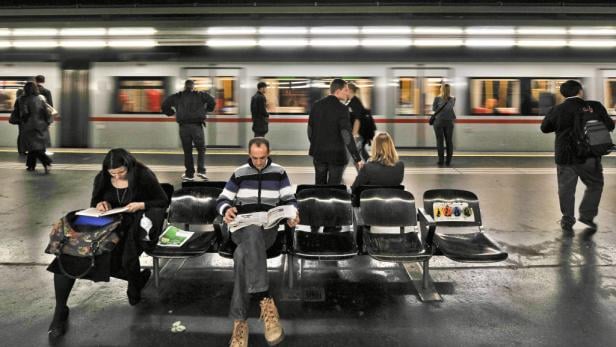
point(384, 168)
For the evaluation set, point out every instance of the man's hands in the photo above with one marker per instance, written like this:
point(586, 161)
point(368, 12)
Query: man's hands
point(230, 215)
point(293, 222)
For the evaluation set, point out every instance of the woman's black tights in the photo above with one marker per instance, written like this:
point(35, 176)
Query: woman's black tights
point(62, 286)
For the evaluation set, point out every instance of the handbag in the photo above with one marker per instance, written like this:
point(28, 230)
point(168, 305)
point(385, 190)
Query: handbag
point(77, 236)
point(14, 118)
point(51, 111)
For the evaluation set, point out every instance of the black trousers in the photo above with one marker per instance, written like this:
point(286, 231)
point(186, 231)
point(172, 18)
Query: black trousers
point(444, 135)
point(34, 155)
point(260, 126)
point(325, 173)
point(193, 134)
point(591, 174)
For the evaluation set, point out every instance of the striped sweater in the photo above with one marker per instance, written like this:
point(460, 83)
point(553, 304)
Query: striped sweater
point(251, 190)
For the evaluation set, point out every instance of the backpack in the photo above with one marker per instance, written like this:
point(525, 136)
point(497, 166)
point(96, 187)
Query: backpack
point(367, 127)
point(591, 136)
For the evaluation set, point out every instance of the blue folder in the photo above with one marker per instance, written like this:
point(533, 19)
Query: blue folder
point(92, 221)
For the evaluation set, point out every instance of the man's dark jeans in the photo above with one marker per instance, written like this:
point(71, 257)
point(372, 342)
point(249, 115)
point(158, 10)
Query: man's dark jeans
point(325, 173)
point(591, 174)
point(189, 134)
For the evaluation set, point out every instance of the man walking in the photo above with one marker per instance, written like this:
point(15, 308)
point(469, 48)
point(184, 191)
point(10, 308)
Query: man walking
point(190, 108)
point(260, 116)
point(255, 186)
point(562, 120)
point(329, 131)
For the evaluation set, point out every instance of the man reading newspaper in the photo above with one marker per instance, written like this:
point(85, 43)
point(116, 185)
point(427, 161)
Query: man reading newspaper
point(256, 186)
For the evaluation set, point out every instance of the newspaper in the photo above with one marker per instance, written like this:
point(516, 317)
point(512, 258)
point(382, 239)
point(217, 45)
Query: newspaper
point(266, 219)
point(174, 237)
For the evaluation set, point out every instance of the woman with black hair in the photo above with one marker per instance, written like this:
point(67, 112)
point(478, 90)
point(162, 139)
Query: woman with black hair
point(34, 126)
point(123, 181)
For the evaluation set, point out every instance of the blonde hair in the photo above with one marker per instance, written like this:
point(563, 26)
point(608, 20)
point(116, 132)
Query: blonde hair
point(445, 91)
point(383, 150)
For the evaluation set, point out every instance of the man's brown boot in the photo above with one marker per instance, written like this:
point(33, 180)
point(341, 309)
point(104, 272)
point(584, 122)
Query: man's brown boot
point(271, 320)
point(240, 334)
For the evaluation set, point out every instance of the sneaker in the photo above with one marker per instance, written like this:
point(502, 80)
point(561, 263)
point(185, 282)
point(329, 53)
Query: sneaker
point(591, 225)
point(202, 176)
point(187, 178)
point(271, 320)
point(240, 334)
point(567, 227)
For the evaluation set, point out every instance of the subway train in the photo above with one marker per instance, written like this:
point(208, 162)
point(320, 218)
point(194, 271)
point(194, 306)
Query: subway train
point(499, 105)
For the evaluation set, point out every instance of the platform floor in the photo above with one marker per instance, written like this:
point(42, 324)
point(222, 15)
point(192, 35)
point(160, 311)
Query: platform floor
point(552, 291)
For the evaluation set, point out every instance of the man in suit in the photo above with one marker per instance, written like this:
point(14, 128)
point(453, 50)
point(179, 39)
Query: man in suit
point(329, 132)
point(561, 120)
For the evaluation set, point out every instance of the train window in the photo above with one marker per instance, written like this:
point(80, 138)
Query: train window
point(223, 89)
point(495, 96)
point(8, 91)
point(432, 89)
point(408, 94)
point(295, 95)
point(610, 95)
point(139, 94)
point(544, 94)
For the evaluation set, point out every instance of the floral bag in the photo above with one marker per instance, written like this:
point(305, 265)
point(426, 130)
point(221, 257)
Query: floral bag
point(83, 237)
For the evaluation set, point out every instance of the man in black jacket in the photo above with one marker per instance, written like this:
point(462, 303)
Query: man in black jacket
point(260, 116)
point(190, 108)
point(570, 167)
point(40, 80)
point(329, 131)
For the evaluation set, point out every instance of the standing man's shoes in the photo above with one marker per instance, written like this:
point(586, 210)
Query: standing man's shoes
point(202, 176)
point(591, 225)
point(271, 320)
point(240, 334)
point(567, 228)
point(187, 178)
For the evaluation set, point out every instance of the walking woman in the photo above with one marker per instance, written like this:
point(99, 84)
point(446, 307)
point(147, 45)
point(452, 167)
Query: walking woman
point(443, 120)
point(123, 181)
point(34, 121)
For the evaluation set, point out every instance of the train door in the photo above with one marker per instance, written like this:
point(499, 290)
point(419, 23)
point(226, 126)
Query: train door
point(414, 90)
point(75, 107)
point(224, 128)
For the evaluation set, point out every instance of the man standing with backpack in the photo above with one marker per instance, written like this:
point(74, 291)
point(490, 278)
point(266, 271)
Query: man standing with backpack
point(581, 127)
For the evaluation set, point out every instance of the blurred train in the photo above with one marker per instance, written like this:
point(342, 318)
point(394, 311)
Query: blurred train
point(112, 104)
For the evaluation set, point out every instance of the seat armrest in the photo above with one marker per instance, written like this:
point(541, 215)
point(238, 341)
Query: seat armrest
point(427, 226)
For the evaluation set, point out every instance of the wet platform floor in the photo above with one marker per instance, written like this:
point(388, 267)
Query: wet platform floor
point(553, 290)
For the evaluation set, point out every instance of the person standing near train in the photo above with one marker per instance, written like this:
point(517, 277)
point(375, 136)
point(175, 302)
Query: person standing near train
point(443, 120)
point(46, 93)
point(329, 131)
point(190, 108)
point(358, 114)
point(569, 166)
point(260, 116)
point(34, 126)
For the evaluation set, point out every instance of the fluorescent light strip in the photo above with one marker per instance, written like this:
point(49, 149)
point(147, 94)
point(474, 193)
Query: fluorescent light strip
point(437, 30)
point(541, 43)
point(35, 32)
point(334, 30)
point(334, 42)
point(489, 43)
point(386, 42)
point(593, 43)
point(83, 43)
point(541, 31)
point(35, 43)
point(231, 31)
point(132, 43)
point(5, 32)
point(296, 42)
point(438, 42)
point(283, 30)
point(130, 31)
point(83, 32)
point(4, 44)
point(385, 30)
point(489, 31)
point(592, 31)
point(230, 43)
